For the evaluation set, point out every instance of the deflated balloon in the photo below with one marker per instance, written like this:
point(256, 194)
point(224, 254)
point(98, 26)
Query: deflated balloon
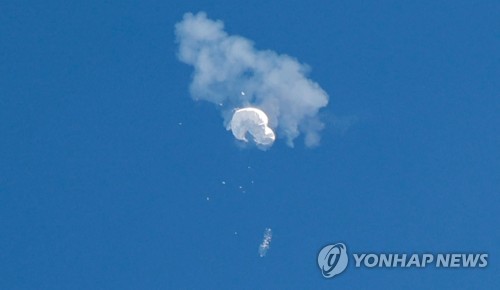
point(254, 122)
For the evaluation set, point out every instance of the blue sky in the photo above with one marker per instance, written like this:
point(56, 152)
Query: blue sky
point(101, 188)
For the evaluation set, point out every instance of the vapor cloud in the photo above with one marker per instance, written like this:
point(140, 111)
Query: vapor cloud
point(231, 73)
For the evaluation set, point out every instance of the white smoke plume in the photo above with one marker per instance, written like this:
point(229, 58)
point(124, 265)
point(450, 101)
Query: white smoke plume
point(266, 242)
point(231, 73)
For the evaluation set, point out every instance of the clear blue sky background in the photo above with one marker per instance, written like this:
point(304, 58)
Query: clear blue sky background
point(101, 188)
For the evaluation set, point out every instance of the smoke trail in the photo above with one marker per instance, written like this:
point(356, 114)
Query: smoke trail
point(225, 66)
point(266, 242)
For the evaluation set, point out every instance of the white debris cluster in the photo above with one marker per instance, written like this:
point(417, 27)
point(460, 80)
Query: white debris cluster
point(266, 242)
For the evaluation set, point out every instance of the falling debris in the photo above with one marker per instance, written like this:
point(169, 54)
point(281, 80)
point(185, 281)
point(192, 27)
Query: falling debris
point(266, 242)
point(223, 182)
point(231, 73)
point(254, 122)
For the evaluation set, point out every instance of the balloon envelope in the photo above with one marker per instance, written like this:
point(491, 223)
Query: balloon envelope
point(252, 121)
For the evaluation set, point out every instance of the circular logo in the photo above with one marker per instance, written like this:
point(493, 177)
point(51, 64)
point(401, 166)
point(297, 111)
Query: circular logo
point(332, 260)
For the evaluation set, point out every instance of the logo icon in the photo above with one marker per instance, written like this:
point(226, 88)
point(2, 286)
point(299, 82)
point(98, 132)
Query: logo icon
point(332, 260)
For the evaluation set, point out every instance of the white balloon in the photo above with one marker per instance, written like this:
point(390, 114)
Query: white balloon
point(254, 122)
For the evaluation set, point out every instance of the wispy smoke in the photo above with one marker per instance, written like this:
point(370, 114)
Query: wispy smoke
point(266, 242)
point(227, 65)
